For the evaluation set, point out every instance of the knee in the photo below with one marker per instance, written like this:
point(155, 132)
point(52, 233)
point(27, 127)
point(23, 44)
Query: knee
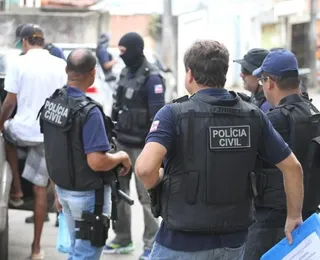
point(40, 193)
point(39, 190)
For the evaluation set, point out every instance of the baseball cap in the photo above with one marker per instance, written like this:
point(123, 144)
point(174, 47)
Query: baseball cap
point(281, 63)
point(18, 30)
point(17, 42)
point(31, 31)
point(253, 59)
point(104, 38)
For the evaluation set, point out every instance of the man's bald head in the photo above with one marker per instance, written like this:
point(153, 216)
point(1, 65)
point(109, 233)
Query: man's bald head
point(80, 61)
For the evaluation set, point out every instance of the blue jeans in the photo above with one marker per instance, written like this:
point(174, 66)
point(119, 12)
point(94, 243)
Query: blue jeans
point(160, 252)
point(73, 204)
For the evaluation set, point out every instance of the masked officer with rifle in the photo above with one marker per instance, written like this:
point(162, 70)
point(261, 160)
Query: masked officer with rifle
point(77, 137)
point(208, 143)
point(297, 120)
point(139, 96)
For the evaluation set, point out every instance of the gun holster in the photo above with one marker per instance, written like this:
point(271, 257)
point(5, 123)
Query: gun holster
point(94, 226)
point(259, 183)
point(155, 200)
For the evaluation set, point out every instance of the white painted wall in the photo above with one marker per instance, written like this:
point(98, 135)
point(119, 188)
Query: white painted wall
point(235, 23)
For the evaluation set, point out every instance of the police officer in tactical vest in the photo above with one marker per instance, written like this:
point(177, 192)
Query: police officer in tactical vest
point(208, 143)
point(139, 96)
point(303, 75)
point(250, 62)
point(296, 120)
point(77, 138)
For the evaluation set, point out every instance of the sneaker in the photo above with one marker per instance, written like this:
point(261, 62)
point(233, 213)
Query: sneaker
point(145, 255)
point(114, 248)
point(31, 219)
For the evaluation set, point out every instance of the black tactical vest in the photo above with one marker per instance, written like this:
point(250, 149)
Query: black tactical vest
point(258, 99)
point(61, 121)
point(304, 122)
point(131, 105)
point(206, 187)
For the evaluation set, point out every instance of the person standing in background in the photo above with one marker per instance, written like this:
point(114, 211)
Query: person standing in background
point(139, 97)
point(28, 91)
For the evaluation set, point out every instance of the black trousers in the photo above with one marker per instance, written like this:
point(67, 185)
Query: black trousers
point(267, 231)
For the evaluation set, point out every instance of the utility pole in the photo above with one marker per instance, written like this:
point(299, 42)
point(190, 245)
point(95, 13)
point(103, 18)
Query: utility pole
point(2, 5)
point(168, 43)
point(313, 43)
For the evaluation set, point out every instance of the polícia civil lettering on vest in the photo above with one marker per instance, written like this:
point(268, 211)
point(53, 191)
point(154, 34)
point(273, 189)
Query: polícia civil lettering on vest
point(229, 137)
point(54, 111)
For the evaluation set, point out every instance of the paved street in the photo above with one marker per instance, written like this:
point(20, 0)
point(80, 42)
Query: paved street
point(21, 235)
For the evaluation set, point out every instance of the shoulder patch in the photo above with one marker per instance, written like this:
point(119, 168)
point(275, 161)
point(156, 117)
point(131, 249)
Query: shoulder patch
point(158, 89)
point(154, 126)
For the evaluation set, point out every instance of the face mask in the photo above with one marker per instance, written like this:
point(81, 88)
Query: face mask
point(133, 56)
point(18, 44)
point(129, 60)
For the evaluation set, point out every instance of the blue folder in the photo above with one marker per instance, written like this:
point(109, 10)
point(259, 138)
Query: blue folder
point(306, 243)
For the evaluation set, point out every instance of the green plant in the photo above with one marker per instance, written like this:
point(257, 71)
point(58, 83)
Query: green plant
point(155, 27)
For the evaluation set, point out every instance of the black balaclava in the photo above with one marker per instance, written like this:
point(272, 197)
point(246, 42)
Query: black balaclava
point(133, 56)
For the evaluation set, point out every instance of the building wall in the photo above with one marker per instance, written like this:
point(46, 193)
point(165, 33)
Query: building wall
point(271, 36)
point(58, 27)
point(122, 24)
point(38, 3)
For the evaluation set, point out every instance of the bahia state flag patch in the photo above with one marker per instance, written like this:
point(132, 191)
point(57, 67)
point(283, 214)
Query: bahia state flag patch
point(158, 89)
point(154, 126)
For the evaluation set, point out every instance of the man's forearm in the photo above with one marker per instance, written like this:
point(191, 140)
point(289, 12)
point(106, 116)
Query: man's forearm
point(151, 180)
point(293, 183)
point(149, 163)
point(105, 161)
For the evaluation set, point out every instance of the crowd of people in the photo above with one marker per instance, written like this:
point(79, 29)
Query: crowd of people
point(229, 174)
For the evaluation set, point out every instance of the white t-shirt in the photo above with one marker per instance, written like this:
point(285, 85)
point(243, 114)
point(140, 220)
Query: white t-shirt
point(33, 77)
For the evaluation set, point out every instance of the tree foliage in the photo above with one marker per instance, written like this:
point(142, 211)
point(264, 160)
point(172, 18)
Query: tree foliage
point(155, 27)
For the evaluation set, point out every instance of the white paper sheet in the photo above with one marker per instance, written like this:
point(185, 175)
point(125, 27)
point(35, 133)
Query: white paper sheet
point(308, 249)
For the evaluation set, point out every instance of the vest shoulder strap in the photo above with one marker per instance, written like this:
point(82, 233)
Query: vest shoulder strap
point(261, 100)
point(148, 71)
point(86, 108)
point(181, 99)
point(124, 72)
point(244, 96)
point(109, 124)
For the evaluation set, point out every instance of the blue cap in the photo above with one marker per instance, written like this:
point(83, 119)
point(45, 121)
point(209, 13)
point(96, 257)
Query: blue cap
point(104, 37)
point(280, 63)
